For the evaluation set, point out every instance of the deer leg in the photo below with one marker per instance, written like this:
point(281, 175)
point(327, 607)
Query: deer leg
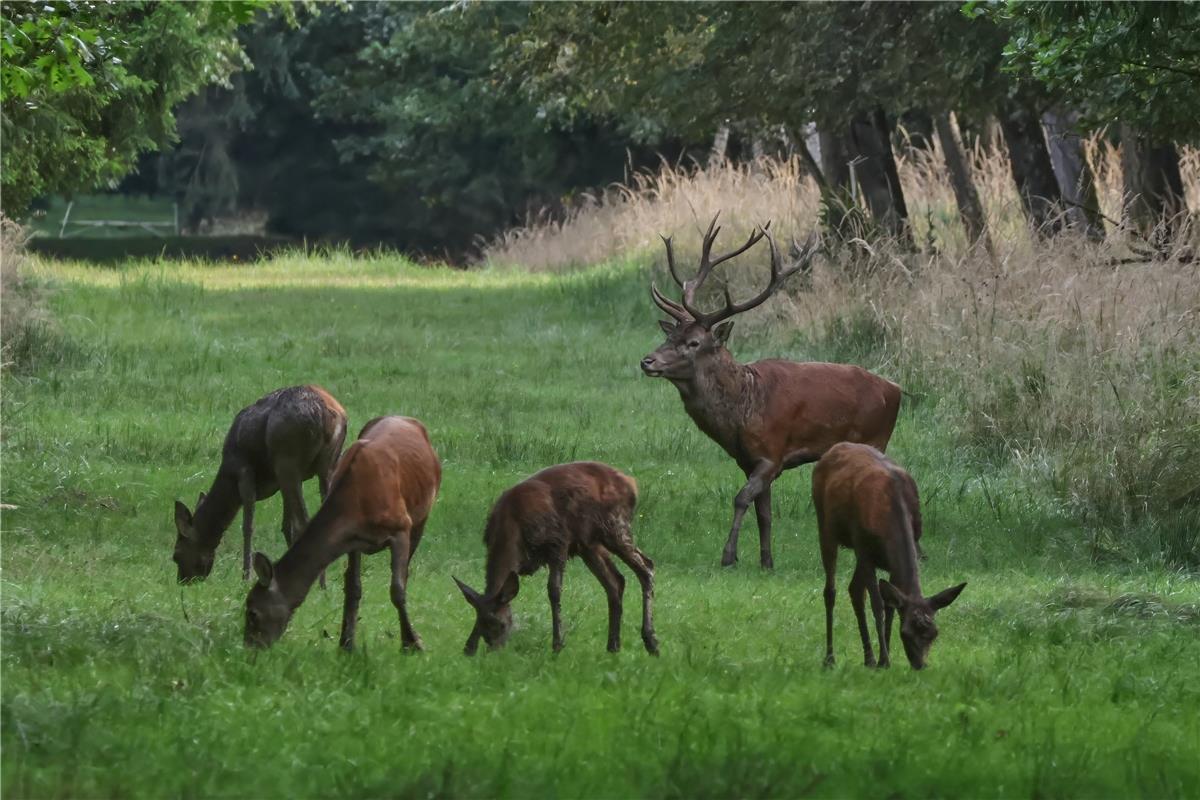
point(888, 612)
point(601, 565)
point(829, 561)
point(353, 596)
point(756, 481)
point(248, 494)
point(295, 512)
point(858, 587)
point(643, 568)
point(554, 589)
point(877, 612)
point(762, 509)
point(400, 558)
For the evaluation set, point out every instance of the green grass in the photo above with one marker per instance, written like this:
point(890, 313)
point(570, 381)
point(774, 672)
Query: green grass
point(1052, 677)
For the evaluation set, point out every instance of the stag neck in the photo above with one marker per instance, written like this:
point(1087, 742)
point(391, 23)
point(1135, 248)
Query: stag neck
point(215, 514)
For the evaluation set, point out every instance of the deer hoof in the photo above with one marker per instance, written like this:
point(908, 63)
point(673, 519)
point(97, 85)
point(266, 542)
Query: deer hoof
point(728, 559)
point(415, 646)
point(651, 645)
point(768, 562)
point(828, 662)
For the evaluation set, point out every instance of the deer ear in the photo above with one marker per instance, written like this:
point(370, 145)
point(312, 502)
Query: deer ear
point(264, 569)
point(946, 597)
point(473, 597)
point(668, 326)
point(722, 331)
point(509, 590)
point(892, 596)
point(183, 520)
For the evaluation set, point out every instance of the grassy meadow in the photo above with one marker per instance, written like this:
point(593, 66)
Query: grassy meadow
point(1056, 675)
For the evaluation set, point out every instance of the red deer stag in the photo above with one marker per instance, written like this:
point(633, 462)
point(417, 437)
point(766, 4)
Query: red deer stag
point(773, 414)
point(274, 445)
point(869, 505)
point(581, 509)
point(380, 496)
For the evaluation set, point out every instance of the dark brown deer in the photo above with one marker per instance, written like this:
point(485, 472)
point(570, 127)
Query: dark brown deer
point(773, 414)
point(274, 445)
point(868, 504)
point(380, 496)
point(582, 509)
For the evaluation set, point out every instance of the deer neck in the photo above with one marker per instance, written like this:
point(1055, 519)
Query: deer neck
point(322, 543)
point(902, 552)
point(717, 396)
point(216, 513)
point(503, 558)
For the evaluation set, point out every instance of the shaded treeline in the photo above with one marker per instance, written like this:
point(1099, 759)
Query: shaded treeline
point(429, 125)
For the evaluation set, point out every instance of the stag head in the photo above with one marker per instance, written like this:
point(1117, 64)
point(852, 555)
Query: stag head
point(694, 335)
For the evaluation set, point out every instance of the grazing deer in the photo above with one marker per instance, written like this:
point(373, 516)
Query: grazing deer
point(380, 496)
point(274, 445)
point(581, 509)
point(773, 414)
point(868, 504)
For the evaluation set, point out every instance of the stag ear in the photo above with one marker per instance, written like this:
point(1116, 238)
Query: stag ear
point(892, 597)
point(183, 520)
point(264, 569)
point(473, 597)
point(721, 332)
point(667, 325)
point(946, 597)
point(509, 590)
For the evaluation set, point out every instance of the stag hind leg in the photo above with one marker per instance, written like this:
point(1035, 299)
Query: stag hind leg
point(757, 480)
point(602, 567)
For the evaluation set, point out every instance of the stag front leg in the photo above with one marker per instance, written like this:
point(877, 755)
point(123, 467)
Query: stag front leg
point(757, 480)
point(353, 596)
point(248, 494)
point(554, 589)
point(400, 558)
point(762, 509)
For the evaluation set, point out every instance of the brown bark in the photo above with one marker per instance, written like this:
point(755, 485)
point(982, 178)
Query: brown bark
point(1031, 167)
point(969, 207)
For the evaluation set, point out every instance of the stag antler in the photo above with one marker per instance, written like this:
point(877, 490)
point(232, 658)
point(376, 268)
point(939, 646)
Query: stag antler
point(688, 310)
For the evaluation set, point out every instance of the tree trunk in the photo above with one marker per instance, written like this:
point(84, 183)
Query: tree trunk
point(875, 171)
point(1031, 168)
point(969, 207)
point(1073, 173)
point(719, 146)
point(1153, 185)
point(836, 198)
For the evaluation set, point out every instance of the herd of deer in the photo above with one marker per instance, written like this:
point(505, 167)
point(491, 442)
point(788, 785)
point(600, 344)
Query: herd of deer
point(770, 416)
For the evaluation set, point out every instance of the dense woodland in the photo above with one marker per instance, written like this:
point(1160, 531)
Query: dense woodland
point(427, 126)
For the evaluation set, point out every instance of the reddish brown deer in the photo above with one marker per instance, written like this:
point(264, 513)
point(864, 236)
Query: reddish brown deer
point(868, 504)
point(274, 445)
point(582, 509)
point(771, 415)
point(380, 496)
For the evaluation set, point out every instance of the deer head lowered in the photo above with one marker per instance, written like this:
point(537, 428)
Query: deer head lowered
point(773, 414)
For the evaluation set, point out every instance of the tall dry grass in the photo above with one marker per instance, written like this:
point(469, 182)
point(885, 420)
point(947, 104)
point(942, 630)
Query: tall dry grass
point(29, 334)
point(1072, 359)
